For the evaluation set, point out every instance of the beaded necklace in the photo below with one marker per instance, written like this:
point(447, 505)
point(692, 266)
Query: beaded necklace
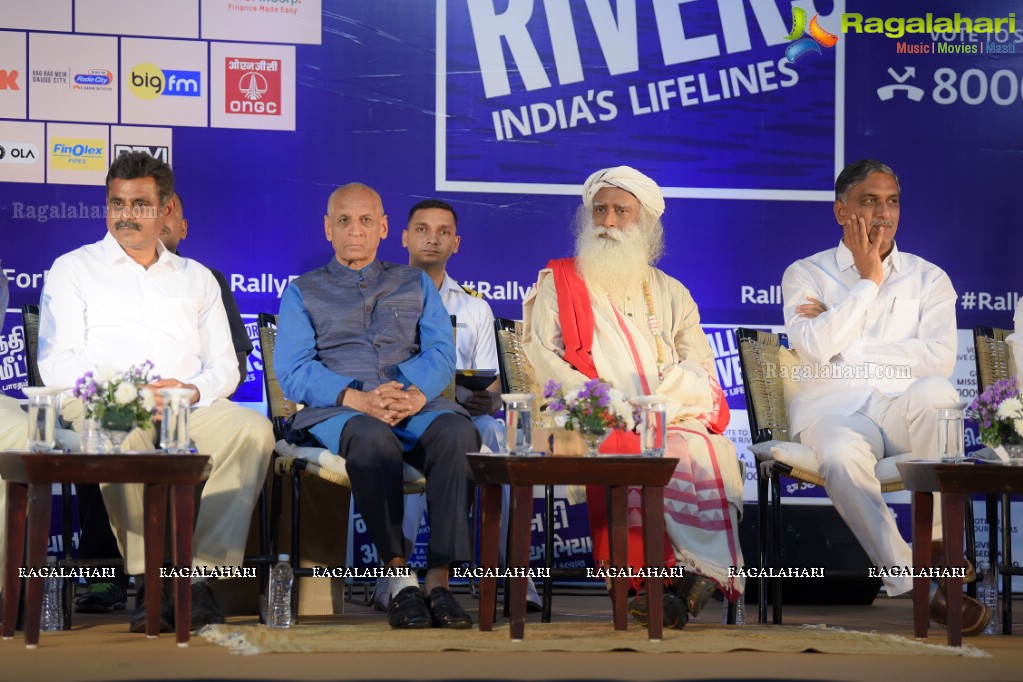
point(655, 328)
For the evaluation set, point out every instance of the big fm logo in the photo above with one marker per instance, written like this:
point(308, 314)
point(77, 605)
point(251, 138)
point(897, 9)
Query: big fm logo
point(815, 37)
point(148, 81)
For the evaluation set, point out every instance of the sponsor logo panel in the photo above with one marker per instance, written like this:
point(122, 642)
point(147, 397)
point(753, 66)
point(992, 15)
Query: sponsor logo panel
point(252, 86)
point(68, 153)
point(18, 152)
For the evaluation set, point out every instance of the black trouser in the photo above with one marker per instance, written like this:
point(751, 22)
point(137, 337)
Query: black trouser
point(374, 456)
point(96, 540)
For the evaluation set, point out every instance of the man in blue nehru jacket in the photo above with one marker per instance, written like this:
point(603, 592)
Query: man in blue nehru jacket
point(367, 347)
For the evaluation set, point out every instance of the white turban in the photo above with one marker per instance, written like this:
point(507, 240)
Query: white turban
point(629, 179)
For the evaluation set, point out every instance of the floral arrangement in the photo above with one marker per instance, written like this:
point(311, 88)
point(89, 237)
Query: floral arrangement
point(118, 401)
point(595, 408)
point(999, 411)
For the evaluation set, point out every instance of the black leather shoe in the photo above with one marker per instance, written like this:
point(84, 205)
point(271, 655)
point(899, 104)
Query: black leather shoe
point(138, 616)
point(408, 611)
point(445, 611)
point(204, 607)
point(673, 608)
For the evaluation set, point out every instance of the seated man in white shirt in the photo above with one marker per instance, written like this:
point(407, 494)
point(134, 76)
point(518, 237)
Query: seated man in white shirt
point(875, 329)
point(127, 299)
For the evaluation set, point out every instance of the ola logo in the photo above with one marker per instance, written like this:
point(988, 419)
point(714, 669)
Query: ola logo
point(146, 81)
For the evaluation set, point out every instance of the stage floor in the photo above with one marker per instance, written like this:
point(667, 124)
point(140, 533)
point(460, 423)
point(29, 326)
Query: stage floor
point(100, 648)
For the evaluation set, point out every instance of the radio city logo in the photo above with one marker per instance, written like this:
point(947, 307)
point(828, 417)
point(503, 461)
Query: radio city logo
point(77, 154)
point(93, 79)
point(9, 80)
point(814, 37)
point(252, 87)
point(148, 81)
point(18, 152)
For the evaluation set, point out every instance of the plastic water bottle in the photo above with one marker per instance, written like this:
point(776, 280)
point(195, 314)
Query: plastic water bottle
point(740, 611)
point(987, 594)
point(282, 577)
point(52, 616)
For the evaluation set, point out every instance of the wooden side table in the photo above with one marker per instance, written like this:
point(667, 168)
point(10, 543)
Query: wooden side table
point(30, 477)
point(617, 473)
point(955, 482)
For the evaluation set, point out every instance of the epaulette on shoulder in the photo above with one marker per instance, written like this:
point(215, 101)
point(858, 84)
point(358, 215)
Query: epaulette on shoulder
point(472, 292)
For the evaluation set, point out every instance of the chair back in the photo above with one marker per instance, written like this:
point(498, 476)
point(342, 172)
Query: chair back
point(763, 379)
point(30, 320)
point(517, 374)
point(279, 408)
point(994, 357)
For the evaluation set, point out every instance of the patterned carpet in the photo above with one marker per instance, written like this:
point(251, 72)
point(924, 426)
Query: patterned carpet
point(571, 636)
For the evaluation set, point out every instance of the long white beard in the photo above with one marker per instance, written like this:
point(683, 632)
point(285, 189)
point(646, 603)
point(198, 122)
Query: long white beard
point(617, 263)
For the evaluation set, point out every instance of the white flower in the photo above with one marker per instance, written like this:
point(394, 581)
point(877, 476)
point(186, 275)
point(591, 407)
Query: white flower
point(125, 393)
point(621, 408)
point(105, 374)
point(1011, 408)
point(148, 401)
point(560, 420)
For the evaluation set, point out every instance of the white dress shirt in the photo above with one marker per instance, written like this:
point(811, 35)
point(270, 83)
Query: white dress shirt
point(475, 345)
point(869, 338)
point(101, 308)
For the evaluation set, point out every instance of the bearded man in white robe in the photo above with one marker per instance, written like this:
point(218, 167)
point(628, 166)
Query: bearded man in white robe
point(609, 313)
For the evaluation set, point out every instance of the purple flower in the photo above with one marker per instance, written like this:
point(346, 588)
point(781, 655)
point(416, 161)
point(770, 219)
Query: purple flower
point(551, 388)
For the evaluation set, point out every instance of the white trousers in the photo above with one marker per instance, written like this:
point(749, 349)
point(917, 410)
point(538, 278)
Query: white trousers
point(13, 436)
point(239, 442)
point(848, 447)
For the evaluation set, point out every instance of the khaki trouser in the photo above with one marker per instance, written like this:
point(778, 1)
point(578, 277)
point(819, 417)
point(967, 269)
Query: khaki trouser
point(13, 435)
point(239, 442)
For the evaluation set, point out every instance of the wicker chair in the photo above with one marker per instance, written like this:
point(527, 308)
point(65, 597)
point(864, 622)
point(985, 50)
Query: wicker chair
point(995, 362)
point(296, 461)
point(765, 363)
point(517, 376)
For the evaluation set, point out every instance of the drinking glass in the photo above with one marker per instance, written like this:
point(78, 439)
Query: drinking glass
point(518, 415)
point(951, 439)
point(42, 417)
point(177, 403)
point(652, 424)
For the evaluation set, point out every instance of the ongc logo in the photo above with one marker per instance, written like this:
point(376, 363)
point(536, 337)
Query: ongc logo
point(252, 87)
point(148, 81)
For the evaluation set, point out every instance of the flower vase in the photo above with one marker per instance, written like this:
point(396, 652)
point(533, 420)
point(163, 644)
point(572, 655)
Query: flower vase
point(594, 439)
point(117, 438)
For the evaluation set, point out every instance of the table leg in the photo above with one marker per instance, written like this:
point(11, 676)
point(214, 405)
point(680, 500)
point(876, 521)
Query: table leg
point(521, 512)
point(156, 525)
point(1007, 562)
point(923, 515)
point(17, 499)
point(952, 508)
point(653, 541)
point(184, 512)
point(490, 514)
point(618, 536)
point(40, 503)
